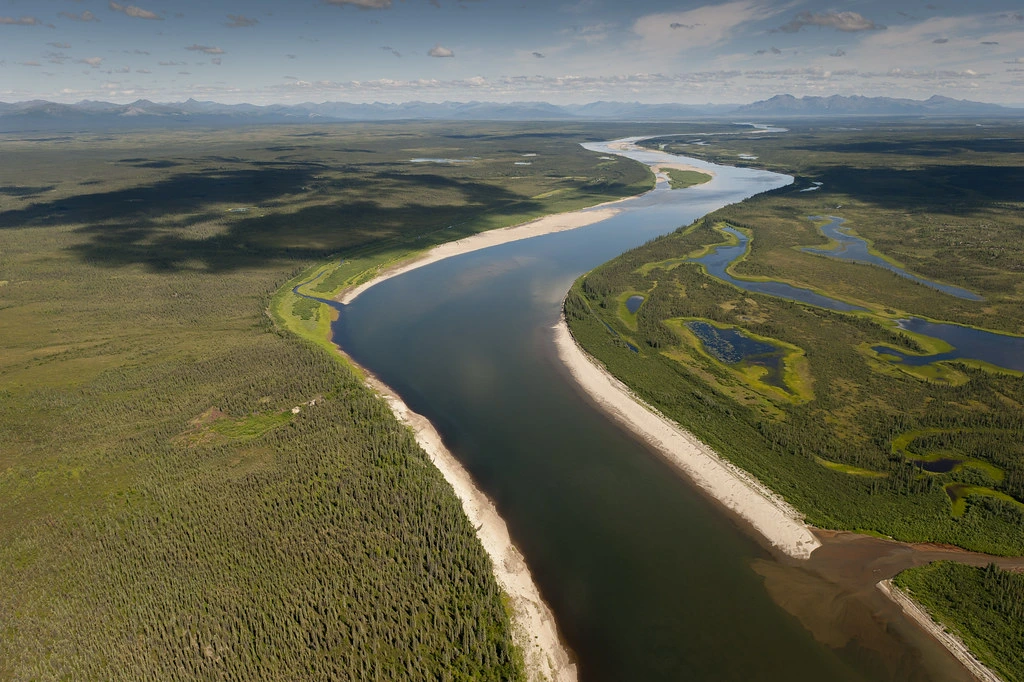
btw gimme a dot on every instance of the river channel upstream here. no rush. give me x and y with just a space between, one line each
647 577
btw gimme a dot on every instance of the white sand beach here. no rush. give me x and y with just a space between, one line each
559 222
781 525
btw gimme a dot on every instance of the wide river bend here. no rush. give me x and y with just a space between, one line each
648 579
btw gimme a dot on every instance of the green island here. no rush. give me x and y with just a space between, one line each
191 484
681 179
821 409
984 607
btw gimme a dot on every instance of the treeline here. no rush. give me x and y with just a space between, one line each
983 606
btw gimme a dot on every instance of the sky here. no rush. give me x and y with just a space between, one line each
559 51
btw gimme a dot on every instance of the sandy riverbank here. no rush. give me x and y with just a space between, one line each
954 644
559 222
534 629
740 492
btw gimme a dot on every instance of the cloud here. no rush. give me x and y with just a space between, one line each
388 48
590 33
239 21
941 41
133 11
143 71
849 22
20 21
172 63
770 50
84 16
361 4
538 55
705 26
439 51
990 42
60 46
216 61
840 52
205 49
291 56
32 63
91 61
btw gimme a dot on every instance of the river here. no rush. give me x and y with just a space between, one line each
648 579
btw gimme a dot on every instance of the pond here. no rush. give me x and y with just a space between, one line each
733 347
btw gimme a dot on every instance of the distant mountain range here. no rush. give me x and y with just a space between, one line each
43 115
937 105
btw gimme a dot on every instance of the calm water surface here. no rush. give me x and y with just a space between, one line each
647 578
853 248
718 259
1002 350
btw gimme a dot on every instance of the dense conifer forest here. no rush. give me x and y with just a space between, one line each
187 489
982 606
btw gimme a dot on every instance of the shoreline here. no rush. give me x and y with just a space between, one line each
771 516
534 629
557 222
950 641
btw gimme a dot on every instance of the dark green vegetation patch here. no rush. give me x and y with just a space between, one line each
931 453
982 606
165 510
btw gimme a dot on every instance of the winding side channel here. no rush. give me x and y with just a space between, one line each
648 579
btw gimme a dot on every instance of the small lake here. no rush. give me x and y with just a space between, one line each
633 304
719 258
938 466
733 347
853 248
1002 350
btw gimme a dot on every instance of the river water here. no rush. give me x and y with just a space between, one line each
647 578
853 248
